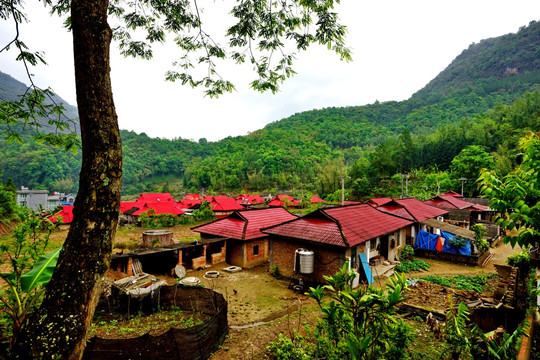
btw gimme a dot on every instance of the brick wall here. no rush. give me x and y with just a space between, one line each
251 258
328 259
241 253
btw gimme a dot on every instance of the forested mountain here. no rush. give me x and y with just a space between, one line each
467 104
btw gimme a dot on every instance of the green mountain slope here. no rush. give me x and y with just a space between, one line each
308 149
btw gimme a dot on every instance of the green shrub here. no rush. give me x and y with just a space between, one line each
522 261
412 265
406 253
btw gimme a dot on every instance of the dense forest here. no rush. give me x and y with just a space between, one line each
469 117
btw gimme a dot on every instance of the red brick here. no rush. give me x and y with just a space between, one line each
198 262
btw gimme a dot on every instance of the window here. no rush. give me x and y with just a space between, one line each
255 250
372 244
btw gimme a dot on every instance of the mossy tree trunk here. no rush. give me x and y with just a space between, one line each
58 328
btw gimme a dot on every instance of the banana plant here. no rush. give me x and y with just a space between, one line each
24 292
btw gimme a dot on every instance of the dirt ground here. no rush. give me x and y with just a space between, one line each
250 342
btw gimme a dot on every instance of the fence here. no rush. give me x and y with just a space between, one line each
194 343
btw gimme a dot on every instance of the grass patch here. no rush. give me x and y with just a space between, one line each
462 282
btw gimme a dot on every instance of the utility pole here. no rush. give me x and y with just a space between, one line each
343 188
463 181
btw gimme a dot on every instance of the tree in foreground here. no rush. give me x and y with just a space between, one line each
264 34
516 196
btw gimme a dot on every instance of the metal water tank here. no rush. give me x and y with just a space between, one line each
305 261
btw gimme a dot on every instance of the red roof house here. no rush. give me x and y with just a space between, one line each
159 208
247 246
192 197
283 201
336 235
414 210
66 215
246 199
155 197
315 200
128 205
223 206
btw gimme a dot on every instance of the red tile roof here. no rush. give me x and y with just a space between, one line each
315 199
160 208
224 203
153 197
247 199
379 201
452 193
412 209
357 224
363 222
66 214
247 224
280 200
192 197
314 229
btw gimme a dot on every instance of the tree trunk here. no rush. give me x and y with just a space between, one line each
58 328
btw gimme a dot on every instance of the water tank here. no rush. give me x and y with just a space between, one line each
304 261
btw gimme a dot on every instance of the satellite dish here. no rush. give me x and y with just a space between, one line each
180 271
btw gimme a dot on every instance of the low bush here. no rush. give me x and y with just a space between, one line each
461 282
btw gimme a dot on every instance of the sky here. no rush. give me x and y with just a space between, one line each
398 47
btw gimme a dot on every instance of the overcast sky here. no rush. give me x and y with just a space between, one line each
398 47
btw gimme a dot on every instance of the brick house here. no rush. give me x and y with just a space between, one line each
247 246
222 206
410 209
336 235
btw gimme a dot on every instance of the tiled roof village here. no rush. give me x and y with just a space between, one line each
250 230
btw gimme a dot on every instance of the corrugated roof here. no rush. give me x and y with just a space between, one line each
452 202
247 224
160 208
154 197
224 203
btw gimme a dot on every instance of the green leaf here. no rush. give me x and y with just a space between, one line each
41 273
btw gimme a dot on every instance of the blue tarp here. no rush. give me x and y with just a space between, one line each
425 240
365 267
464 250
